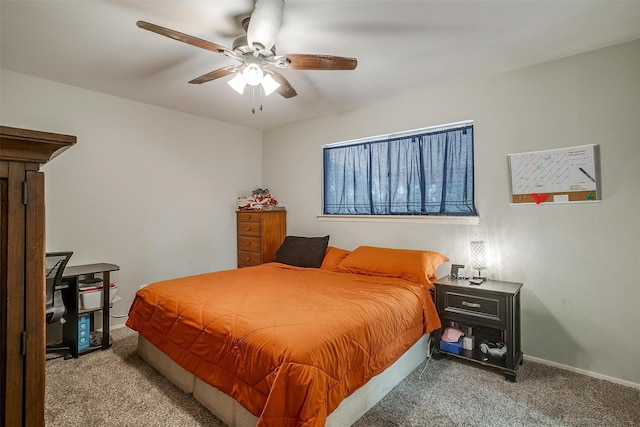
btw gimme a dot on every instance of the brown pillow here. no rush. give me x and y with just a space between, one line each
333 257
416 266
302 251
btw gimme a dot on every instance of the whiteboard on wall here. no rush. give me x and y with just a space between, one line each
561 175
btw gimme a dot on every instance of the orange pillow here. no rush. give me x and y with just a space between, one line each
333 257
414 265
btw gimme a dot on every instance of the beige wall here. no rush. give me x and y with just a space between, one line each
149 189
579 263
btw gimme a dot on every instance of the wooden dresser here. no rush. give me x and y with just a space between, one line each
260 234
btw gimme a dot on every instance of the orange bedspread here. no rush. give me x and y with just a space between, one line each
287 343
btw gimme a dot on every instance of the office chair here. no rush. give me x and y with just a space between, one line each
55 265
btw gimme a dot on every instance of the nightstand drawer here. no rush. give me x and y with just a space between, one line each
247 259
249 244
491 307
248 228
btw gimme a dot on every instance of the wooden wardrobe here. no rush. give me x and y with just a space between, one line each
22 277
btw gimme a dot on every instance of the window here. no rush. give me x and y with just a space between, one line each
425 172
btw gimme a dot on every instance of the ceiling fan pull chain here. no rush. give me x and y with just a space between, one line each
261 97
253 99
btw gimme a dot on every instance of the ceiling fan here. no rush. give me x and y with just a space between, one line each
256 53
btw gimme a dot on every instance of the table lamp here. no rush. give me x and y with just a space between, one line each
478 259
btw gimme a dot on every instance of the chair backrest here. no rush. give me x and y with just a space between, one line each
55 265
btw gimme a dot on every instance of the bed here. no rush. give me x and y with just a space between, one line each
284 345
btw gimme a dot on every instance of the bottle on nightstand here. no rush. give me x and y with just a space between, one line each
468 341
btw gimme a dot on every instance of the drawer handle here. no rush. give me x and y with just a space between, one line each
248 259
248 228
248 243
471 304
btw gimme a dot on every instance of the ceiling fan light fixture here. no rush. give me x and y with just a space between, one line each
269 84
237 83
252 74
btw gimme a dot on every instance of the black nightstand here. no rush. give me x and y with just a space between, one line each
491 310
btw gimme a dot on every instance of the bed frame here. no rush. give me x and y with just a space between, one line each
235 415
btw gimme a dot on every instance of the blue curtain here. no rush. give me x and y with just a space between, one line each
424 174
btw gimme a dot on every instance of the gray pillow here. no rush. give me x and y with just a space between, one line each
303 251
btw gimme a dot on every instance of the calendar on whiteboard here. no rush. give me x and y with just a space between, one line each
560 175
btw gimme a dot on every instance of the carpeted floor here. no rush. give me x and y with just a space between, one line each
117 388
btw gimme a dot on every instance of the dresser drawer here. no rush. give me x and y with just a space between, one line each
247 259
246 228
249 216
249 244
491 306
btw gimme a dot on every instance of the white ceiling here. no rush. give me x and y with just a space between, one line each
399 45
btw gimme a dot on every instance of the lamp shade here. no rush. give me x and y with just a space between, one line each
252 74
269 84
237 83
478 258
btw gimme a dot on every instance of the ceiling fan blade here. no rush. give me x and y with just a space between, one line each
285 90
186 38
315 62
215 74
264 24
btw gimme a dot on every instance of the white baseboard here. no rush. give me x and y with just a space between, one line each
583 372
114 327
